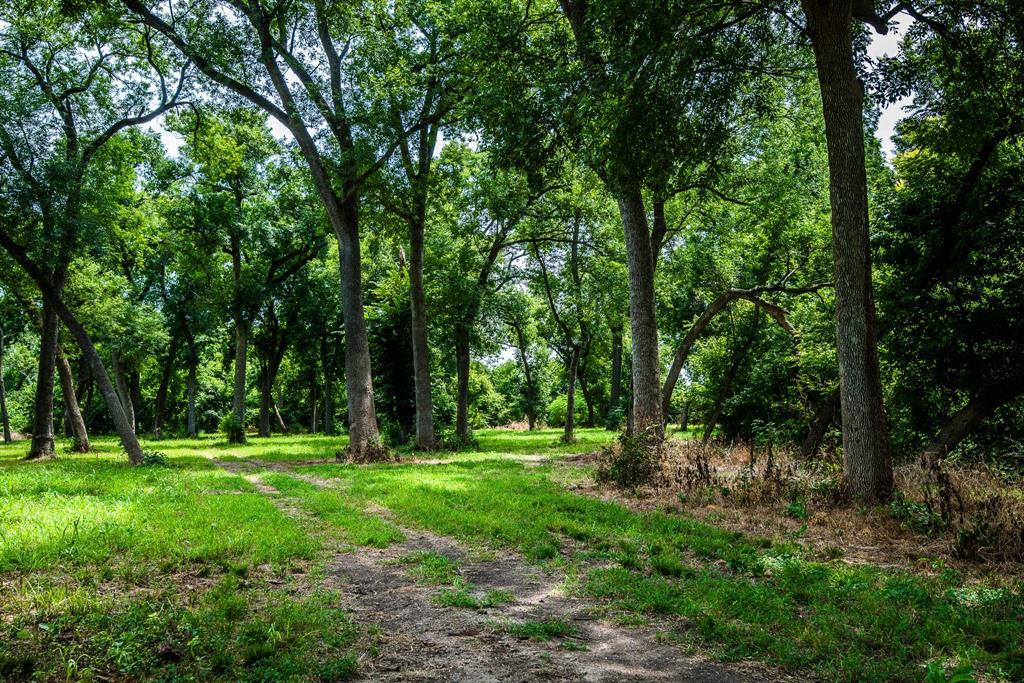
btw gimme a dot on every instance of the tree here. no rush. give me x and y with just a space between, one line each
52 128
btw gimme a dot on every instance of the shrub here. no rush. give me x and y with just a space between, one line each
558 407
633 462
232 428
155 458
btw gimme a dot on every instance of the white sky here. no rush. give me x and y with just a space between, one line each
885 46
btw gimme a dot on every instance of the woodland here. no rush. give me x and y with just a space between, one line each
487 340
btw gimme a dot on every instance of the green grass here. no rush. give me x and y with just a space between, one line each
743 597
100 563
541 630
229 632
357 527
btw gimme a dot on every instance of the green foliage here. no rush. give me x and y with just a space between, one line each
632 463
558 407
232 428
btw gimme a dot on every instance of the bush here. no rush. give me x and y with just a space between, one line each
558 407
232 428
631 463
155 458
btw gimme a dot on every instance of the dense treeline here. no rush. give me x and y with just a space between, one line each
404 221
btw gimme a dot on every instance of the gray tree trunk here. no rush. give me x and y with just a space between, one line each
72 411
643 323
238 390
866 457
616 383
42 422
190 390
569 433
160 404
425 439
123 390
462 381
966 420
822 419
4 417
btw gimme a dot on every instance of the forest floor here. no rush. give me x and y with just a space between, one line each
271 561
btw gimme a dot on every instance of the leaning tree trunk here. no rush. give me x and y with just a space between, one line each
462 381
4 417
866 457
569 433
123 390
72 411
966 420
643 324
237 432
822 419
42 422
51 295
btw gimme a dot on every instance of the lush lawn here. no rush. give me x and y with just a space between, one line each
188 572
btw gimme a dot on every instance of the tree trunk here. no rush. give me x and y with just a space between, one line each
616 388
190 390
136 389
123 390
568 434
314 405
160 404
643 325
266 398
730 376
237 434
866 457
280 420
51 295
462 381
4 417
42 422
72 412
364 437
822 419
588 398
425 439
328 420
684 417
966 420
523 347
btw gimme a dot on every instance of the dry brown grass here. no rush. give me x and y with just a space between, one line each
967 517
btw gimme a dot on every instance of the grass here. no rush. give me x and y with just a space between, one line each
743 597
541 630
104 567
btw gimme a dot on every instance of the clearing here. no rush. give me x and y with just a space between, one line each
271 561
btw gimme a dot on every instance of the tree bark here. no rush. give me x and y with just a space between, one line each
42 422
266 398
730 376
238 392
523 346
462 381
965 421
822 419
190 390
643 323
72 411
866 457
569 433
616 384
136 390
160 404
280 420
4 417
588 398
425 439
123 390
52 297
325 361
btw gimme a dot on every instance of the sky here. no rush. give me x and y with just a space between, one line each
880 46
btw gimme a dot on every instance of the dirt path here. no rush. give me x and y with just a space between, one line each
420 641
